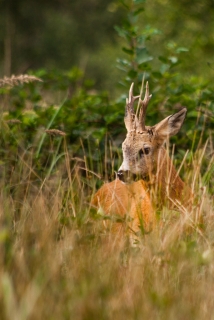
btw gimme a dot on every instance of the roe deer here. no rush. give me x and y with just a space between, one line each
145 160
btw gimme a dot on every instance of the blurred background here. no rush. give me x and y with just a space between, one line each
87 54
65 33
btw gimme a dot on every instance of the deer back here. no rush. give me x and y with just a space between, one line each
128 202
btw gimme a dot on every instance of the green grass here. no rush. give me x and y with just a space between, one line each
58 262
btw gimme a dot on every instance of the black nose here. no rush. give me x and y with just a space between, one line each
126 176
121 175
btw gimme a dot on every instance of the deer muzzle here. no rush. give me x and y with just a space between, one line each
126 176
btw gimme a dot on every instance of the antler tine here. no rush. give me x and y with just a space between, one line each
147 96
129 112
131 92
144 104
132 98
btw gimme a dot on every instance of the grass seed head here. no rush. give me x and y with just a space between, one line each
55 132
17 80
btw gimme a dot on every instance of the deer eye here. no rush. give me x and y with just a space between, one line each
144 151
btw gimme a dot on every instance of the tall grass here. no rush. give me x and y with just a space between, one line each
58 262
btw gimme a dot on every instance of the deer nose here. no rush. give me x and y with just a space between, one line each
121 175
126 176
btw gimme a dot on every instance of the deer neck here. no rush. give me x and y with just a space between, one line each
167 185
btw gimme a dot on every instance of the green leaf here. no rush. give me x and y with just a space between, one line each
138 11
173 59
121 32
132 74
142 55
157 75
150 31
123 62
163 59
164 68
128 51
181 49
141 40
193 114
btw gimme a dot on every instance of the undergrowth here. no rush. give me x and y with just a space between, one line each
59 262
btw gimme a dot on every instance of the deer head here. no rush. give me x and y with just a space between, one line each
143 143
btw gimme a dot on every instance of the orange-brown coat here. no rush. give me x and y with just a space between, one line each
131 202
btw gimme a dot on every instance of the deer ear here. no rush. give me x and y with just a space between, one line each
172 124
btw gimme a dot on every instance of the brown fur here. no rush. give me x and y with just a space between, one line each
128 201
167 187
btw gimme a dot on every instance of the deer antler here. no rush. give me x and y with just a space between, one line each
129 112
144 103
131 120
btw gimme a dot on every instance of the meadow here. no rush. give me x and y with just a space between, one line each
59 262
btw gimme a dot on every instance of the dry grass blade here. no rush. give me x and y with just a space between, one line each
55 132
13 121
17 80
